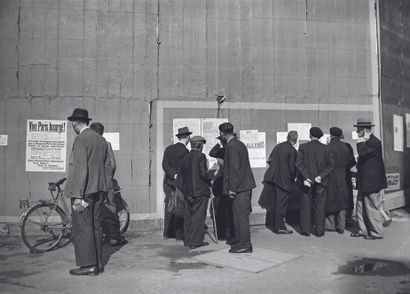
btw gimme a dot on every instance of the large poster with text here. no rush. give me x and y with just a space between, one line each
46 145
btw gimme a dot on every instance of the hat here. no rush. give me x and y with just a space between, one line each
316 132
363 122
183 131
198 139
335 131
79 114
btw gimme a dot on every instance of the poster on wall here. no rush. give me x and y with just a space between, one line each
114 139
302 129
398 133
46 145
256 143
210 131
281 137
408 130
3 140
393 181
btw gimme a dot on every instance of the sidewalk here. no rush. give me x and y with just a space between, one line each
148 264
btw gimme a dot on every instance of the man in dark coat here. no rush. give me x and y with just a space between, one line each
86 186
196 187
280 175
371 180
349 175
238 184
337 200
171 162
314 163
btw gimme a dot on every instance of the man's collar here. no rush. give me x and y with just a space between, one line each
86 127
230 139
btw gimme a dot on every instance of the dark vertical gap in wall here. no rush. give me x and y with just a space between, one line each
83 55
58 50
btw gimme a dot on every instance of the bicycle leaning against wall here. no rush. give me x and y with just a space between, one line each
46 225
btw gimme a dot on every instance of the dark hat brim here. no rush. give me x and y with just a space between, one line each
182 134
363 125
73 118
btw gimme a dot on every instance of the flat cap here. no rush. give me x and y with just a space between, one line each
335 131
198 139
316 132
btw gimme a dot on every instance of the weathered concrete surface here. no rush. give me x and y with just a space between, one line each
149 264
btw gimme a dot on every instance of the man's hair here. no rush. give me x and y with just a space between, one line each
182 136
97 127
196 145
226 128
292 136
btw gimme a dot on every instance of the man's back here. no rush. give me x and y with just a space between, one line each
171 161
194 174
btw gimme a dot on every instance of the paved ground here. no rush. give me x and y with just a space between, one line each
149 264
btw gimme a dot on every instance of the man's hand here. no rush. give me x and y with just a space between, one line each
318 179
175 176
231 194
79 205
307 183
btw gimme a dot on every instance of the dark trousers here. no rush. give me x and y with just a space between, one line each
111 221
224 218
194 220
335 220
241 208
87 232
313 200
280 207
173 225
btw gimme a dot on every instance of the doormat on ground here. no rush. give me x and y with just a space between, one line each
256 262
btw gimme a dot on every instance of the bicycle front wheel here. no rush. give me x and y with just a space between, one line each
42 227
124 216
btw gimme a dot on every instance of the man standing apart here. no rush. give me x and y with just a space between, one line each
86 186
238 184
314 164
196 189
171 162
281 174
371 180
338 194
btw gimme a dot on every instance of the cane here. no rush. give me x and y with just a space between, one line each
214 218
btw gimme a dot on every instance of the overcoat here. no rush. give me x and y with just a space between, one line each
195 179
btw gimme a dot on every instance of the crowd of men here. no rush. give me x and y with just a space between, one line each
323 173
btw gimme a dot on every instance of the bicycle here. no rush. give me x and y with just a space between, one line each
45 224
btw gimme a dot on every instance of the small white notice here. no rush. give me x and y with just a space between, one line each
114 139
302 129
398 133
3 140
256 143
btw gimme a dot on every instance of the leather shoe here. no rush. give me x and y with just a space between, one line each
340 231
387 223
373 237
307 234
118 242
242 250
320 235
283 231
355 235
197 246
85 271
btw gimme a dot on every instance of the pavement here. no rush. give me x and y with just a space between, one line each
149 264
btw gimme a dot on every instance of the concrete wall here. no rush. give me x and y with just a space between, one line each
123 60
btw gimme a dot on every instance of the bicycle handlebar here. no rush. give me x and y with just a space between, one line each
52 185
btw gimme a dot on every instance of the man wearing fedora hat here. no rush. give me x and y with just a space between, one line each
196 183
371 180
171 163
86 185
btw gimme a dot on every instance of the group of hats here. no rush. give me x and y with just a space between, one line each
337 132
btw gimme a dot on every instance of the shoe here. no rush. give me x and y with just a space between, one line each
307 234
283 231
320 235
357 234
197 246
242 250
387 223
373 237
340 231
84 271
118 242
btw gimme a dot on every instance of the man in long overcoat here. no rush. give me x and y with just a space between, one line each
171 162
281 175
314 163
371 180
238 184
86 186
338 196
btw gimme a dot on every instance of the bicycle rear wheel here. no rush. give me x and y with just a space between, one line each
124 216
43 226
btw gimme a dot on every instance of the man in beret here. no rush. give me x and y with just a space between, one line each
238 184
314 163
338 196
171 162
86 186
371 180
196 187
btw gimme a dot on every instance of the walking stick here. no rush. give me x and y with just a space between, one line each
214 218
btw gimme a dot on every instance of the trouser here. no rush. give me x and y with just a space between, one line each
194 220
224 219
87 232
335 220
173 225
280 207
369 217
111 221
313 199
241 208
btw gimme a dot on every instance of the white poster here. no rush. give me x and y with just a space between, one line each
398 133
281 137
193 124
407 130
114 139
210 130
302 129
46 145
3 140
256 143
393 181
355 136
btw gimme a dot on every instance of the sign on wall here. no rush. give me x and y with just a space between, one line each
256 143
46 145
114 139
3 140
398 133
393 181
